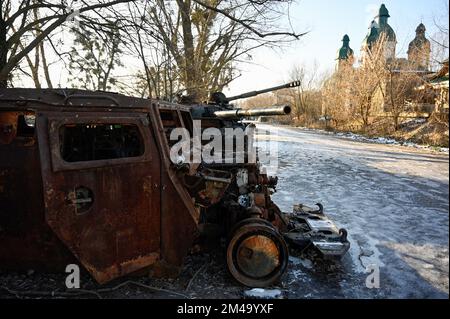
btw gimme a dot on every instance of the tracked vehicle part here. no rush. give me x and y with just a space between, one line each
257 254
311 229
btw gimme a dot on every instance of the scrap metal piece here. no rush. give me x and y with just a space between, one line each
311 229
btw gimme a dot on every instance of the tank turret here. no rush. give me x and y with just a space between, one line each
220 107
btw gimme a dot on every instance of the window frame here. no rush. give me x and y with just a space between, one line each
59 164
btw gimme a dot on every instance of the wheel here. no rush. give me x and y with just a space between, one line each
253 220
257 255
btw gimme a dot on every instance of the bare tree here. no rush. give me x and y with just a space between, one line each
306 98
368 82
440 39
40 61
399 87
206 38
354 94
338 97
92 59
18 21
187 44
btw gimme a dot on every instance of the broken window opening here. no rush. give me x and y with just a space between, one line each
187 120
93 142
170 120
25 125
17 127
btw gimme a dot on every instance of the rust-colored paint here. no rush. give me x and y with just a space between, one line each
133 222
123 222
8 127
26 240
258 256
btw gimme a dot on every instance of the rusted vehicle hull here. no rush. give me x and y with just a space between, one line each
88 178
131 222
27 242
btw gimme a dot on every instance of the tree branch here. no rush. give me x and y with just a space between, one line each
248 26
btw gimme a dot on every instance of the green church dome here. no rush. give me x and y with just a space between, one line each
421 29
345 51
372 36
384 26
420 40
384 12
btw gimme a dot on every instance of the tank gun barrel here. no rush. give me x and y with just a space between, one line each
255 93
240 113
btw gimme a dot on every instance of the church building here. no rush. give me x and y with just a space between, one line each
419 49
418 55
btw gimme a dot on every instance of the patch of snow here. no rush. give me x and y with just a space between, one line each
300 261
298 274
263 293
388 141
429 261
414 121
379 140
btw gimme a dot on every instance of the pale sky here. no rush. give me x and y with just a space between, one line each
328 21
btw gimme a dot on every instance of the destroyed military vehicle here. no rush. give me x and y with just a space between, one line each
88 178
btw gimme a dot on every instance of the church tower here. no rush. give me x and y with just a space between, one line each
388 32
345 56
419 49
370 39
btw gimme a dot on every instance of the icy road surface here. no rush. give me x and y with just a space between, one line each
393 200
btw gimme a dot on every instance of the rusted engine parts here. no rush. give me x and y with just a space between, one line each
235 203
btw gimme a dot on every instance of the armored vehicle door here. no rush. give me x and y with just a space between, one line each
101 177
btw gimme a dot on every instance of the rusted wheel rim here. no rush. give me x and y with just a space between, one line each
257 255
248 221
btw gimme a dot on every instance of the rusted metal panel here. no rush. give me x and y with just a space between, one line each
120 232
179 216
138 212
27 242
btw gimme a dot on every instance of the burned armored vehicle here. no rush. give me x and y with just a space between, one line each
92 178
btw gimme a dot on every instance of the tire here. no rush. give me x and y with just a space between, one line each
257 255
252 220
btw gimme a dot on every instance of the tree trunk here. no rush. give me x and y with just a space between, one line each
3 51
45 67
189 57
395 117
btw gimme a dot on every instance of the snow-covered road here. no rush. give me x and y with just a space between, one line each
393 200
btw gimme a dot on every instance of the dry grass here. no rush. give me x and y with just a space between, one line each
433 132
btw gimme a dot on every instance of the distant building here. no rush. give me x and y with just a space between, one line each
376 30
369 41
417 62
437 85
345 57
419 49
